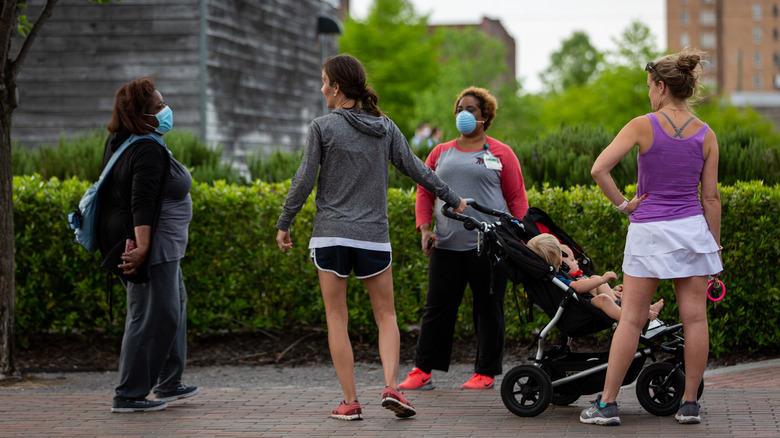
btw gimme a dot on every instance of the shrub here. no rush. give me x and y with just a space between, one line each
237 278
81 156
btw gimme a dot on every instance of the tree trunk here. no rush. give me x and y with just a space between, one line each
7 106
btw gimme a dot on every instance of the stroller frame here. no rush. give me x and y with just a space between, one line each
557 375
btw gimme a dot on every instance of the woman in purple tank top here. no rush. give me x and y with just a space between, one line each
673 233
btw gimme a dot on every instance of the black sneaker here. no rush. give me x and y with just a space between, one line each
175 394
142 405
595 414
688 413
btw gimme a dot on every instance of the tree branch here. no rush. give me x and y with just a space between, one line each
28 42
8 18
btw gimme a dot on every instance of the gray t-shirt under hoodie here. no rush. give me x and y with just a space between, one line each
351 150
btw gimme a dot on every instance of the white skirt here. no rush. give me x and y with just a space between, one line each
678 248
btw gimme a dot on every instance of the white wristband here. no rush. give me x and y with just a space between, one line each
623 207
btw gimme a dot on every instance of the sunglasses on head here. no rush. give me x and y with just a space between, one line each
649 68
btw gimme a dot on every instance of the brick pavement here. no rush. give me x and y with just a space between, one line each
740 401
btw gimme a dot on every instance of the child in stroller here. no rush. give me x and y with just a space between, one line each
593 288
558 375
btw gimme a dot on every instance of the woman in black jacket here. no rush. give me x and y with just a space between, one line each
145 211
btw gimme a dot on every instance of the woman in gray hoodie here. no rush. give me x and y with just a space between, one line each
349 149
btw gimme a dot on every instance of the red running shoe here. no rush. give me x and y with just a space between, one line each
417 379
394 400
348 412
479 381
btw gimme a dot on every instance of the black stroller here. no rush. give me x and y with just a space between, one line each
558 375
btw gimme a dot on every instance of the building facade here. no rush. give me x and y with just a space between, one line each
243 74
742 39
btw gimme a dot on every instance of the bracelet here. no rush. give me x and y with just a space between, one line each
623 207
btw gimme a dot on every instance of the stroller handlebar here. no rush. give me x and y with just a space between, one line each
470 222
446 210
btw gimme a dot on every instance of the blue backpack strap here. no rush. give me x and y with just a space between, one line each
130 140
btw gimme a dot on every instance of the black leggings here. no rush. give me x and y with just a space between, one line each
448 274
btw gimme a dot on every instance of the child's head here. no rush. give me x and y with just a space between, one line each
569 259
548 248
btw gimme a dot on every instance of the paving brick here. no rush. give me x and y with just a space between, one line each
737 402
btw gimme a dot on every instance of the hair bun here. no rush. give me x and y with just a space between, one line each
688 60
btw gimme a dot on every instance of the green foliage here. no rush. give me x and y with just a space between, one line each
635 47
398 76
573 64
277 166
564 158
81 156
236 277
464 55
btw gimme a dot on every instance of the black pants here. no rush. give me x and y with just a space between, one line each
154 346
448 274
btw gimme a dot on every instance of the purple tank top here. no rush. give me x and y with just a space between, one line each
670 173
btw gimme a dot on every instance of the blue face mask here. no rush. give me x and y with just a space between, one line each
466 122
164 120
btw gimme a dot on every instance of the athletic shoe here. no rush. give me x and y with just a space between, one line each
395 401
175 394
348 412
417 379
688 413
479 381
142 405
595 414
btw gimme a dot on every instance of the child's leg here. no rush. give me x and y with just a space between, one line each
655 309
607 305
604 289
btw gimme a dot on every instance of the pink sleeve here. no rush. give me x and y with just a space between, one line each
512 185
423 206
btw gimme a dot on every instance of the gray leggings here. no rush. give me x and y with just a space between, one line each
154 346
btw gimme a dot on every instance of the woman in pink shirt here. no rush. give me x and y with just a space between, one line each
479 167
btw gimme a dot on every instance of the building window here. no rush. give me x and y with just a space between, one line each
757 35
707 40
774 34
685 40
707 17
709 63
756 12
757 81
774 11
708 1
757 59
776 59
684 18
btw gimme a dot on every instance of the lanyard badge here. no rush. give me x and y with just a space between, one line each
491 161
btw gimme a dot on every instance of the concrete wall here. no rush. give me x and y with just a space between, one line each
241 73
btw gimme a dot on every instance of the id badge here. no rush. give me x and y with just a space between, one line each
492 162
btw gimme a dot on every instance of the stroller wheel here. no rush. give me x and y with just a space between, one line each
564 399
526 391
660 388
682 367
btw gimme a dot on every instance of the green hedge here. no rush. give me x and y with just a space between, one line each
236 277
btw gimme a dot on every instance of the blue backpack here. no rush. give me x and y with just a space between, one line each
84 220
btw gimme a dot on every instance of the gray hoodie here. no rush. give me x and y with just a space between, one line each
351 151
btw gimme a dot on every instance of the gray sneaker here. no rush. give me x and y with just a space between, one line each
142 405
595 414
688 413
175 394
